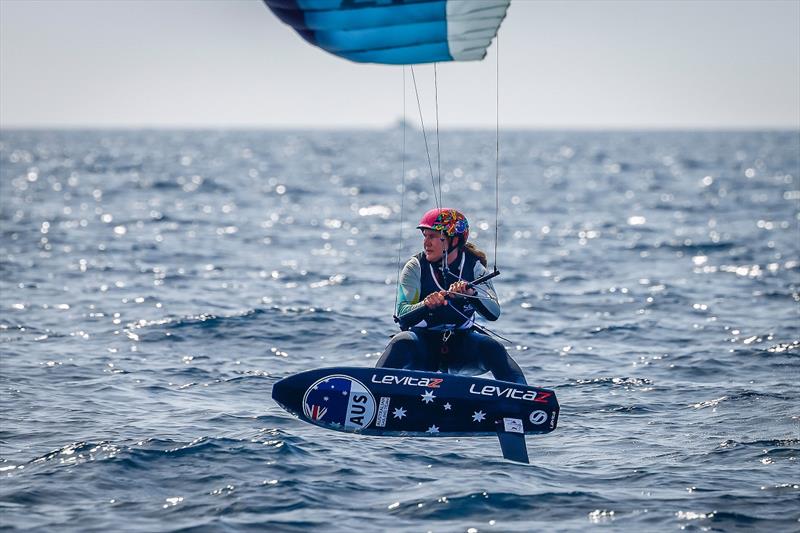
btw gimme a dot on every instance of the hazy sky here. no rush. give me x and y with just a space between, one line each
563 64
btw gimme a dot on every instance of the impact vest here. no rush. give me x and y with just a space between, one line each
459 313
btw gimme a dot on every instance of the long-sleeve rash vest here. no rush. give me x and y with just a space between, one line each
419 278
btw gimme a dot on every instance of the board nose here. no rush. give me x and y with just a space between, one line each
280 390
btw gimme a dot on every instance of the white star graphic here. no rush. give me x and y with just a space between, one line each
447 406
478 416
325 398
433 429
428 397
399 413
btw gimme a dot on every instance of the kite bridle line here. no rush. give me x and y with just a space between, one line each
437 190
402 193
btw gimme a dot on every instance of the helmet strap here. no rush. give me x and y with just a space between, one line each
452 247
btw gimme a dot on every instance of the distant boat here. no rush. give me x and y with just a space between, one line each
401 123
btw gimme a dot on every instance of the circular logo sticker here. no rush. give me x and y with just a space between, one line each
339 401
538 418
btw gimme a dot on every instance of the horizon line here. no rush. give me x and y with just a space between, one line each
398 125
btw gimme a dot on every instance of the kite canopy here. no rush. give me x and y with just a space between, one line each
397 32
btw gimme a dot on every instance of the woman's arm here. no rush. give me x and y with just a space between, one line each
408 290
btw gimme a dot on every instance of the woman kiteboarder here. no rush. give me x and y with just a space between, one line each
437 303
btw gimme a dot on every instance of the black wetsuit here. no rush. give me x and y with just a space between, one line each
446 340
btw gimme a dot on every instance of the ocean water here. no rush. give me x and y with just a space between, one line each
156 284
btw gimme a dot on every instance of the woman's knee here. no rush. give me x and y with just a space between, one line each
499 362
492 351
401 351
405 340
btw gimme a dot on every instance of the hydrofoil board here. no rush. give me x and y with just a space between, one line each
393 402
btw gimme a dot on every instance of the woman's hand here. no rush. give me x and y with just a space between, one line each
461 287
435 299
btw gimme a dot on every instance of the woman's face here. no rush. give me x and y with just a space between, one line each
434 243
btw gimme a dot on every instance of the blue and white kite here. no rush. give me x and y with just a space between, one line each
397 32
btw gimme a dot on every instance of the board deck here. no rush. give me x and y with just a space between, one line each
393 402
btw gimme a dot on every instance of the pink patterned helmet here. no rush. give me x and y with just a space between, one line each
449 221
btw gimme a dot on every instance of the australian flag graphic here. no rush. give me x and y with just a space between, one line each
340 401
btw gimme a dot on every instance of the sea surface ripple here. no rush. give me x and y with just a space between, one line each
155 284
